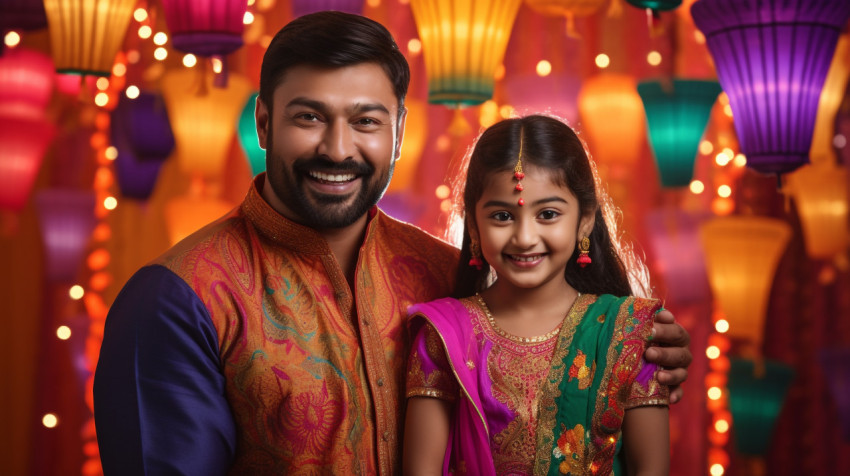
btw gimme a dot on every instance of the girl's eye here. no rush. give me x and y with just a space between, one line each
501 216
549 214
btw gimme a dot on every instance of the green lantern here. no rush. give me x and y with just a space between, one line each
677 112
756 394
656 5
247 131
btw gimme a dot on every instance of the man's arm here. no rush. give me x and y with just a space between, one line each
159 400
671 352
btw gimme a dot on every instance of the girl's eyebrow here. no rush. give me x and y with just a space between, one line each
501 204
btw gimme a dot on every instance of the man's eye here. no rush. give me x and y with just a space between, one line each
367 121
307 116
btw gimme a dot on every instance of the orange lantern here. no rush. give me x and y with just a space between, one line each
203 118
463 41
187 214
415 134
830 101
820 191
85 34
566 8
612 118
741 254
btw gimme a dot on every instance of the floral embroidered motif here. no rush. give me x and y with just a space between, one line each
571 446
579 370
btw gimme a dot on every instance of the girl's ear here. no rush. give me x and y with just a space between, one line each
469 223
585 226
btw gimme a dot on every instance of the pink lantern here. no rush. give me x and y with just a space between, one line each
26 82
205 28
67 220
674 237
24 141
304 7
555 94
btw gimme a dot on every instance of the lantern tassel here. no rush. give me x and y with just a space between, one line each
220 77
615 9
201 79
459 126
571 27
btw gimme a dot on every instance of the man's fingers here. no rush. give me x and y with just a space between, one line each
671 334
665 317
669 357
676 394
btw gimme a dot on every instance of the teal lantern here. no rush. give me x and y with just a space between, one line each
247 132
756 394
677 112
656 5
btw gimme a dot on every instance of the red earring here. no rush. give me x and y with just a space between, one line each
584 250
476 261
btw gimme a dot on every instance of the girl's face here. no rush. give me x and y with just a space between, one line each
529 245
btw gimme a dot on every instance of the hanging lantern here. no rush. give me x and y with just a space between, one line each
66 219
247 129
741 254
205 28
756 395
679 257
85 35
136 178
24 142
555 94
772 58
656 5
835 364
676 116
415 135
26 82
569 9
830 101
820 192
463 41
304 7
143 125
187 214
22 15
203 122
612 118
402 206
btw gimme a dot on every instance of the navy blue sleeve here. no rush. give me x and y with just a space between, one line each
159 401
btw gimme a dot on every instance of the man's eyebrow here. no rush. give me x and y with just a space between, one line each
322 107
501 204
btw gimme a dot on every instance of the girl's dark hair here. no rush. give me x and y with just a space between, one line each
550 144
331 39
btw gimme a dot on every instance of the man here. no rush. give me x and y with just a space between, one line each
272 340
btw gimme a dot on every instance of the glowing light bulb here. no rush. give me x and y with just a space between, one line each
160 39
721 326
716 470
12 39
602 61
132 91
442 192
76 292
544 68
706 147
101 99
189 60
714 393
653 58
63 332
140 14
145 32
712 352
110 203
724 191
697 187
160 53
49 420
414 46
248 18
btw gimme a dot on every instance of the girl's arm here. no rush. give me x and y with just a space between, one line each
426 434
646 441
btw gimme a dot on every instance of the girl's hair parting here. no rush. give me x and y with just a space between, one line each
548 143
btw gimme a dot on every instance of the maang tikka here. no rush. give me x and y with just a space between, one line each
518 173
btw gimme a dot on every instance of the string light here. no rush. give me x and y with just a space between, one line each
189 60
119 69
544 68
248 18
724 191
49 420
721 326
653 58
160 39
101 99
443 192
414 46
697 187
715 393
63 332
132 91
76 292
602 61
717 470
706 147
145 32
12 39
160 53
140 15
110 203
712 352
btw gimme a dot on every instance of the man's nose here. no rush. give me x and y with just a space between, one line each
337 142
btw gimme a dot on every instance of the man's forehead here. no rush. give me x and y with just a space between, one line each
356 85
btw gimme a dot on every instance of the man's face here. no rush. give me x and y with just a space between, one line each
331 142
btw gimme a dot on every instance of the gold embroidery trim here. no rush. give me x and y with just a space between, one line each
520 340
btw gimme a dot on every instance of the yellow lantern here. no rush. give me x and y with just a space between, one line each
820 191
187 214
566 8
415 133
463 41
830 100
203 118
85 34
612 118
741 254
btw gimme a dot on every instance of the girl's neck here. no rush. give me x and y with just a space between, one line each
528 312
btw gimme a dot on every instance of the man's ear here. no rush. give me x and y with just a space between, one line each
261 117
402 120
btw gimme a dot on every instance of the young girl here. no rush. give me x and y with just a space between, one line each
538 369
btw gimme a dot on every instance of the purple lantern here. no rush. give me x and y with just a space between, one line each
22 15
67 220
772 57
205 28
136 177
836 368
143 124
303 7
675 241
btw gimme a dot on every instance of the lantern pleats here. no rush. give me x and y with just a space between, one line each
66 219
756 394
741 254
304 7
25 141
143 125
772 59
136 177
463 42
85 34
674 237
415 135
22 15
26 82
187 214
835 364
204 27
612 118
203 119
676 114
820 193
247 130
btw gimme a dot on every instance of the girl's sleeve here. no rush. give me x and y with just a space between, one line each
646 390
428 371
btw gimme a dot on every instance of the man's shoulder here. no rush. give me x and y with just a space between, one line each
414 237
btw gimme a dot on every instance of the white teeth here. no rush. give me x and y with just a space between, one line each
332 178
525 259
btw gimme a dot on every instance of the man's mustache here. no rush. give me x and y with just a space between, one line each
325 165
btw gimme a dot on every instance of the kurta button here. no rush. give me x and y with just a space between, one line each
365 322
386 436
380 382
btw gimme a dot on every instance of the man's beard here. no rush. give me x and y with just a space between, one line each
325 211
